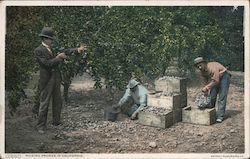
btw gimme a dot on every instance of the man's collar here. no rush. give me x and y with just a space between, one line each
47 47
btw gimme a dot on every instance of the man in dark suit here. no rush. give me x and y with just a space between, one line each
50 79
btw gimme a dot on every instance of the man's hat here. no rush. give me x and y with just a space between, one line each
132 83
198 60
47 32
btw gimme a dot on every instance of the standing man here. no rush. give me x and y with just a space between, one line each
216 80
138 94
50 80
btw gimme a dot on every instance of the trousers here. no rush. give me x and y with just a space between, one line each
222 90
129 107
51 90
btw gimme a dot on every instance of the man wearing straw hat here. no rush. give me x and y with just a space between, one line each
50 79
216 80
138 94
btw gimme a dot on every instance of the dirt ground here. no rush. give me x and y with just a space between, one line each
84 129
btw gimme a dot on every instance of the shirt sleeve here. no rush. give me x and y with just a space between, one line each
215 78
42 60
125 97
143 102
71 51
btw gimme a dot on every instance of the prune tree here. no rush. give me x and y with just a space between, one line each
22 28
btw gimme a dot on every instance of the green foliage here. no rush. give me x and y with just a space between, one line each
21 34
232 49
125 41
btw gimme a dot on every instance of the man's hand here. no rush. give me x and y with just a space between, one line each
61 55
134 115
82 48
205 90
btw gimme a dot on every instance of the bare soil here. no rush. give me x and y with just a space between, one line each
84 129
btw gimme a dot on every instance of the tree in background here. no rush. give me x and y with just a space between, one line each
230 20
125 41
22 27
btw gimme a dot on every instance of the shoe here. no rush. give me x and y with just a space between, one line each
57 124
218 120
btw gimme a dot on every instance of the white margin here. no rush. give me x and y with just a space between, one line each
247 80
2 79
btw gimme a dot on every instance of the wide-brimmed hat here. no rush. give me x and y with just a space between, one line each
132 83
47 32
198 60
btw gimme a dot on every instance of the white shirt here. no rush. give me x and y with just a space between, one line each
47 46
139 96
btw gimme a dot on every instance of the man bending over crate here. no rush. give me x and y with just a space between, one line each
216 80
138 94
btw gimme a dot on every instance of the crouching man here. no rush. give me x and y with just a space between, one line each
138 94
216 80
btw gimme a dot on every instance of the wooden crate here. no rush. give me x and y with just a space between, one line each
177 85
177 116
155 120
183 100
168 102
197 116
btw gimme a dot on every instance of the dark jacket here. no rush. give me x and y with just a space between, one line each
48 64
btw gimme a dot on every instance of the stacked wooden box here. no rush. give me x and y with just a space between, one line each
157 117
164 106
173 84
